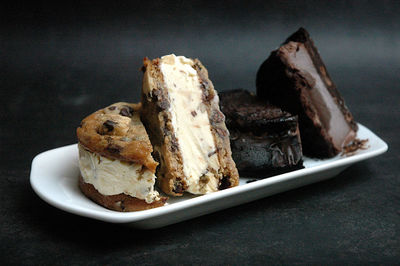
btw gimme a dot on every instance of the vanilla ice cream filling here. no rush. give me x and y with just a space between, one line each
112 177
191 124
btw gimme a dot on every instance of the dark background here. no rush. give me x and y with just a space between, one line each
58 63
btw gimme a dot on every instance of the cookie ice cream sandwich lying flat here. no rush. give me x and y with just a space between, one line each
117 170
187 129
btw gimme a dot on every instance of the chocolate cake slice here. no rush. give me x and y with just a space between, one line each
265 140
186 128
295 79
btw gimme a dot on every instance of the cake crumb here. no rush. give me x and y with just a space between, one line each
353 147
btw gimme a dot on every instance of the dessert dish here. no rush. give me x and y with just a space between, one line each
186 128
115 162
265 140
295 79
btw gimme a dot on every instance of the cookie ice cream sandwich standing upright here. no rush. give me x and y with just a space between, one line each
186 127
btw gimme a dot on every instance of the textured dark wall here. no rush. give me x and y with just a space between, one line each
60 62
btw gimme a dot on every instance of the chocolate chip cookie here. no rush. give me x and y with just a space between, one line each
116 166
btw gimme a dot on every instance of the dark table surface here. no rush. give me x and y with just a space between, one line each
61 62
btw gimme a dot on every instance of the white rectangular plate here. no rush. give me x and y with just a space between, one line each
54 177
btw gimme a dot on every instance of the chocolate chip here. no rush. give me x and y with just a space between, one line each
160 99
217 117
122 205
221 132
193 113
113 148
204 179
112 108
174 144
163 104
157 156
212 153
109 126
126 111
205 88
166 132
178 187
224 183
